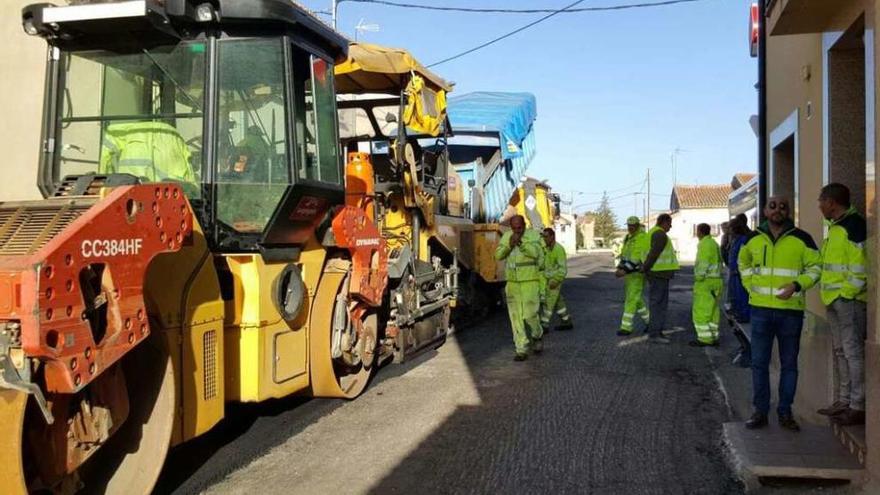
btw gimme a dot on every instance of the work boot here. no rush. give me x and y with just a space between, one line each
520 356
564 326
834 409
623 333
660 339
758 420
850 417
538 346
787 421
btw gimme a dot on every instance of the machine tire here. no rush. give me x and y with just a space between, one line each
329 378
132 458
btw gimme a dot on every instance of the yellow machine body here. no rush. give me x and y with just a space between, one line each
183 295
266 355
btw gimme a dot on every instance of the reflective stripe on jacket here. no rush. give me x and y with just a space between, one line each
708 264
766 266
844 268
667 261
555 264
524 262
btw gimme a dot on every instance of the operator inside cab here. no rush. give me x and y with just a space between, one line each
150 151
249 161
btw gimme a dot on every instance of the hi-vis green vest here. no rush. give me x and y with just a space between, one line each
844 270
708 264
635 247
667 261
154 151
524 262
767 266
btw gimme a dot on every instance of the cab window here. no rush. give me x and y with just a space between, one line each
134 113
316 125
252 150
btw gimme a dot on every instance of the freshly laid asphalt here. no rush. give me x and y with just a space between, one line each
595 413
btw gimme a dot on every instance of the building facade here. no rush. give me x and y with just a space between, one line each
586 225
566 232
743 197
22 67
821 127
691 206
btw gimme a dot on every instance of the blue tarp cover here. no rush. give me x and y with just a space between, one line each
509 114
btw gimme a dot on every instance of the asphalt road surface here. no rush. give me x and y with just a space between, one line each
596 413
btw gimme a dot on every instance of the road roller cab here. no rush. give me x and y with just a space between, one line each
194 246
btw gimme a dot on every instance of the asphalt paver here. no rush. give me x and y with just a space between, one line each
595 413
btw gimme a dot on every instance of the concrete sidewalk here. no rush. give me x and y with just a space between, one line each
813 459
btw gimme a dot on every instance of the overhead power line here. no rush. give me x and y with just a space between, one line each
566 9
508 35
612 191
479 10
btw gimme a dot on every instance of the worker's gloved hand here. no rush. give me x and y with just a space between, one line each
553 284
619 273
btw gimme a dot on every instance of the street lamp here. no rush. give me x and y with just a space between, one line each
571 195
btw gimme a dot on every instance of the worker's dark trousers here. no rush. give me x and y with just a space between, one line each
658 301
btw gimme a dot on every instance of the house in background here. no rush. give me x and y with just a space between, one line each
744 197
586 224
691 206
566 232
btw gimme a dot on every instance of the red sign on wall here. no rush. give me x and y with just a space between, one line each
754 28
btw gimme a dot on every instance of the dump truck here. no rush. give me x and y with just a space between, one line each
199 242
490 148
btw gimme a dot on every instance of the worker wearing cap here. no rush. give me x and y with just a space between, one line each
523 252
554 273
632 255
706 311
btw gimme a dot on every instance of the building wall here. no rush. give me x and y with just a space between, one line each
797 84
588 230
22 62
682 233
794 88
566 232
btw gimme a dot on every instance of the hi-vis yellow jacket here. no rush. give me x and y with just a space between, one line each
555 264
524 262
766 265
154 151
635 247
844 270
708 264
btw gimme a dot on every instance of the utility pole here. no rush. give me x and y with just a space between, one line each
333 6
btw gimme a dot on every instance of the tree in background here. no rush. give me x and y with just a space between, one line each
606 221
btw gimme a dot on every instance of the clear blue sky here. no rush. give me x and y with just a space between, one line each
617 91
